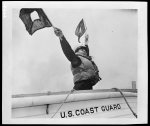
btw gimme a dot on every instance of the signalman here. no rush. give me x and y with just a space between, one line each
84 70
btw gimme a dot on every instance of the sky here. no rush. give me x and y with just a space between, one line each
39 64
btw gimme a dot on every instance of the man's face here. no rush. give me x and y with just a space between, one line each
82 51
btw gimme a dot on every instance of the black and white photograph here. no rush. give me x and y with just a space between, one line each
74 62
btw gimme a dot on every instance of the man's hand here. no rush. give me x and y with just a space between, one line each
58 32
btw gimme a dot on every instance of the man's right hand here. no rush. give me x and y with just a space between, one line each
58 32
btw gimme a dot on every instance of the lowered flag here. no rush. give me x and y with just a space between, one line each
32 26
80 30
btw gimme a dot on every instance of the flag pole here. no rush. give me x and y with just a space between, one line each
53 26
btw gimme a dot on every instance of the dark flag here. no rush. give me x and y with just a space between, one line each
32 26
80 30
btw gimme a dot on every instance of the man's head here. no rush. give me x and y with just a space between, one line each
82 50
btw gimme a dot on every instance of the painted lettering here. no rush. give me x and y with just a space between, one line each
62 114
103 108
69 113
77 112
82 111
96 108
106 108
91 110
118 106
110 107
86 111
115 106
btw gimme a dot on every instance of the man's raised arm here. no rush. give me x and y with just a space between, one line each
69 53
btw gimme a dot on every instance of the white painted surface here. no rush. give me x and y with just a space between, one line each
52 99
84 105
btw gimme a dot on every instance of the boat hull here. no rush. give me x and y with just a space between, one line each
77 105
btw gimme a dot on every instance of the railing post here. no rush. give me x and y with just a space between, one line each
133 84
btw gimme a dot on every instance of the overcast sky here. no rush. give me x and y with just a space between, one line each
39 64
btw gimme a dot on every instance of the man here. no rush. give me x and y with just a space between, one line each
84 70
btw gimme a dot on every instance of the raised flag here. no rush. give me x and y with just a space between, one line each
80 30
32 26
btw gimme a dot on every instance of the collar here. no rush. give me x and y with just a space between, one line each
88 57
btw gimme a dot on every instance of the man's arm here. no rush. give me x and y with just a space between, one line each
69 53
